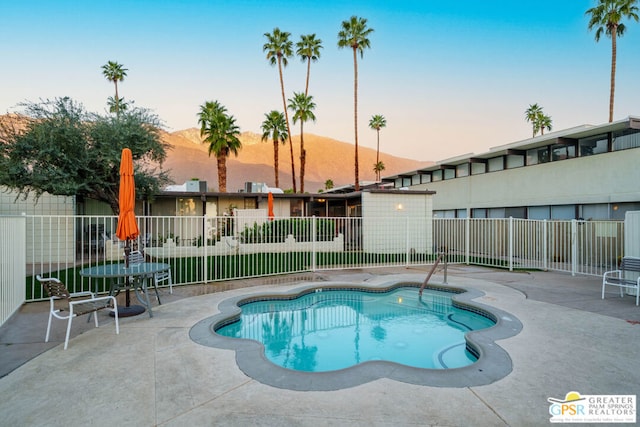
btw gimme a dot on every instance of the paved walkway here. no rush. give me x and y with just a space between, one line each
153 374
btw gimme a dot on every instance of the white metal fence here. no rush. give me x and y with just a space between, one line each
12 265
209 249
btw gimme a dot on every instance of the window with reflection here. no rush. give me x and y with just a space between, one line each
563 152
593 145
537 155
628 138
462 170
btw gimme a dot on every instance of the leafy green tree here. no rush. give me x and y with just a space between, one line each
308 49
302 106
354 34
274 127
115 73
59 148
378 122
220 131
279 49
607 18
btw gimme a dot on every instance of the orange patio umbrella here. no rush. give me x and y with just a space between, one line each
270 203
127 224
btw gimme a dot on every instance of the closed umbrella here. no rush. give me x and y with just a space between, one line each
270 204
127 225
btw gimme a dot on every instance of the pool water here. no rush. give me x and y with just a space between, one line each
328 330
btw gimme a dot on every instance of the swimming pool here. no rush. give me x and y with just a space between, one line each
492 363
331 329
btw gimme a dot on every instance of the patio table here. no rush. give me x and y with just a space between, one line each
143 271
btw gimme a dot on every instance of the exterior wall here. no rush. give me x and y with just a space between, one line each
603 178
388 217
42 245
46 204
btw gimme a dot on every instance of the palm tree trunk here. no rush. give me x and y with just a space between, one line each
306 87
302 156
275 161
286 117
222 173
378 155
115 82
355 116
614 36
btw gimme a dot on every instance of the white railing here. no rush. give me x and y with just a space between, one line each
12 265
208 249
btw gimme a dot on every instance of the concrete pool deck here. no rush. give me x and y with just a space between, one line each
154 374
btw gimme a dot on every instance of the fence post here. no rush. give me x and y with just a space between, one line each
510 243
574 246
467 239
407 255
545 245
314 247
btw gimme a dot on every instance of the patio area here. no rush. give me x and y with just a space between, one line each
153 374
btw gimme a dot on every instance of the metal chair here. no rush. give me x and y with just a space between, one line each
58 292
136 258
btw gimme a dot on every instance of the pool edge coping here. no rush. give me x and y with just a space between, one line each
493 364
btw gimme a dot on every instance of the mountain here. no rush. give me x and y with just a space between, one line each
326 159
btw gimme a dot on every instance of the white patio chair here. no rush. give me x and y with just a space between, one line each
58 292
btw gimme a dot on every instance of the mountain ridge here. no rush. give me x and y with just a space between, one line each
327 158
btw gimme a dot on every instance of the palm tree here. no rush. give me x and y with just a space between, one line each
117 106
377 168
308 50
328 184
544 121
354 34
279 49
220 131
115 73
302 107
377 122
274 127
531 115
606 18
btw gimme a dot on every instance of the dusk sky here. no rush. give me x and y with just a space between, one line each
450 77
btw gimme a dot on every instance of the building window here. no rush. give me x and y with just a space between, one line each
425 178
537 155
415 179
628 138
563 212
436 175
397 183
515 161
479 213
462 170
593 145
519 212
495 213
406 181
496 164
539 212
563 152
478 168
595 211
445 214
449 173
461 213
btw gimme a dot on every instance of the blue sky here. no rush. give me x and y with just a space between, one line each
450 77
